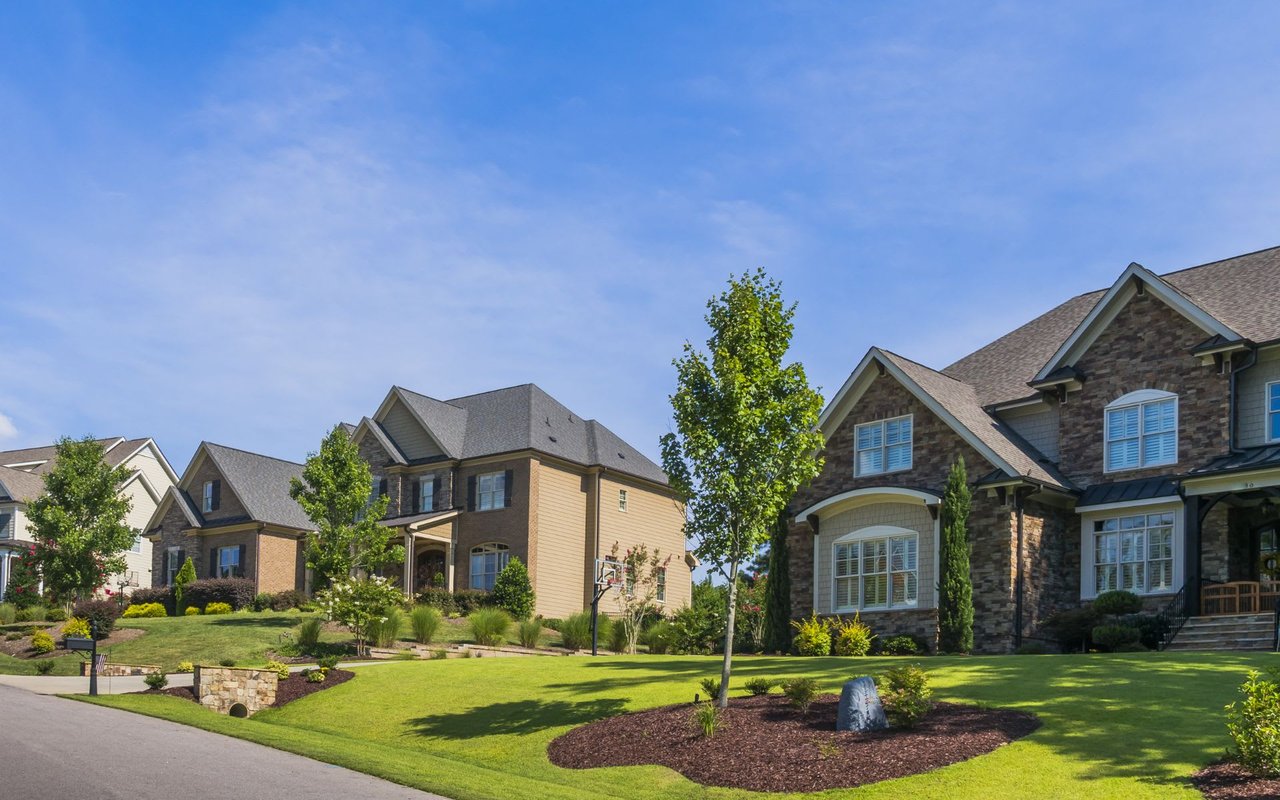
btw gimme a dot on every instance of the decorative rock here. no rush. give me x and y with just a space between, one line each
860 709
222 689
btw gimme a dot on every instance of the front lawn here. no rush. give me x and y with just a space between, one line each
1118 726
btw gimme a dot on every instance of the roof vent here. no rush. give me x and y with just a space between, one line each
552 438
620 455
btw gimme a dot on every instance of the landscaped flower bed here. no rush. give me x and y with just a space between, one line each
766 745
295 687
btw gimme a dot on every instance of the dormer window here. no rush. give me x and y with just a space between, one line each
1273 412
883 446
1141 430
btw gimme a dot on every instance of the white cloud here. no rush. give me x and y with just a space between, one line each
7 429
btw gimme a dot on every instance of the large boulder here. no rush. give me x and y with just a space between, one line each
860 707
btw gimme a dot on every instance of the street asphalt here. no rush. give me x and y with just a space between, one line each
58 749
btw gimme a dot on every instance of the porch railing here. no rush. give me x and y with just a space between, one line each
1239 597
1174 614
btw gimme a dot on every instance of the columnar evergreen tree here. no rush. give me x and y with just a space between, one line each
186 574
512 590
777 621
746 433
955 589
79 522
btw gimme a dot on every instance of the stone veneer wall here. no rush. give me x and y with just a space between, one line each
220 688
120 670
1051 562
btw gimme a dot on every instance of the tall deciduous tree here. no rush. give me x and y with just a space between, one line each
337 493
745 434
955 589
777 605
79 522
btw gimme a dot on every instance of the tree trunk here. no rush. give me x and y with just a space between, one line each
730 617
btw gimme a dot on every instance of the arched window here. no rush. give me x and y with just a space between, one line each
1141 430
875 567
487 560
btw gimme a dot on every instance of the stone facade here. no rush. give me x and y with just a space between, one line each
121 670
222 689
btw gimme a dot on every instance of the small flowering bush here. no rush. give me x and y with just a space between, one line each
76 627
23 589
357 603
42 642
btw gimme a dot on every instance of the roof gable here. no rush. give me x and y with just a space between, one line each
261 484
20 486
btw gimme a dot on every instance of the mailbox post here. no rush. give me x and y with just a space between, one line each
90 646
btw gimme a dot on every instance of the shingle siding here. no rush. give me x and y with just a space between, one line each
1041 429
1251 405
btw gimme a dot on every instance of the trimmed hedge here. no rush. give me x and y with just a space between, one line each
154 594
145 610
235 592
461 602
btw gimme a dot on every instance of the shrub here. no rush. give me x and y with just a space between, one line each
287 600
900 646
327 662
1117 602
309 634
192 611
314 676
425 621
512 591
707 719
161 595
385 631
1072 628
450 603
1032 648
227 662
8 613
12 635
186 666
852 637
42 642
45 665
1152 628
616 635
711 686
32 614
145 610
262 601
280 668
489 626
759 686
235 592
1254 724
218 608
699 627
1115 636
56 614
813 637
659 637
906 694
76 627
101 615
575 631
439 654
530 632
801 692
156 680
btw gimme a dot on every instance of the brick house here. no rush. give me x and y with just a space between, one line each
1129 438
471 482
22 481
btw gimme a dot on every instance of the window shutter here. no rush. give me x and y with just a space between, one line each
471 493
436 483
217 495
417 496
382 487
508 486
167 555
180 558
213 562
240 573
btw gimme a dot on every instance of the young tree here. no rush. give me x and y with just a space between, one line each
777 621
955 588
337 493
512 590
23 589
359 602
638 595
186 574
79 522
745 435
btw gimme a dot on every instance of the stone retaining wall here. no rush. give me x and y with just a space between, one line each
120 670
238 692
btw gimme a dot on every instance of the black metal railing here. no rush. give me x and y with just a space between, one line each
1175 616
1275 628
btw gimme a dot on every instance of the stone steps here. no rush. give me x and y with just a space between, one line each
1243 632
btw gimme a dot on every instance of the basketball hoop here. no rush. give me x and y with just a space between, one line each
608 574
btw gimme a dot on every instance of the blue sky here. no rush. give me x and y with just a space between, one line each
244 222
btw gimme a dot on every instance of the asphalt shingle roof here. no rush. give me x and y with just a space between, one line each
20 486
262 484
48 454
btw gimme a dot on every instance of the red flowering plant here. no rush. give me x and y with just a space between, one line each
23 589
643 572
752 590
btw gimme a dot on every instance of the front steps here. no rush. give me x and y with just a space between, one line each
1240 632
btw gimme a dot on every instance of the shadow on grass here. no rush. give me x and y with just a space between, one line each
251 622
516 717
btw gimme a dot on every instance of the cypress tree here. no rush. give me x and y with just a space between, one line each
777 605
955 590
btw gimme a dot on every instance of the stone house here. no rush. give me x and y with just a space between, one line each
22 481
1127 439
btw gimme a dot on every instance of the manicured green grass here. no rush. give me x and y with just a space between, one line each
63 665
1121 726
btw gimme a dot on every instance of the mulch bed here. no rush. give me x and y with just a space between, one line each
292 688
21 648
765 745
1226 780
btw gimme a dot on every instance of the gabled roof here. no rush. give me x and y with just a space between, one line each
446 423
39 459
20 486
376 430
261 482
957 405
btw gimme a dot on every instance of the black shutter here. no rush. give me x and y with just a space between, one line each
240 573
471 493
382 487
436 485
165 562
417 496
217 495
180 557
508 487
213 562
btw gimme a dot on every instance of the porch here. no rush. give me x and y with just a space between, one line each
430 542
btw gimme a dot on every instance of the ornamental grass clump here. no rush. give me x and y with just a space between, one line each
1254 724
852 636
425 622
813 636
489 626
707 718
308 635
575 631
385 630
906 695
530 632
8 613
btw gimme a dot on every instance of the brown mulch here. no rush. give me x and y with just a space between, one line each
1226 780
765 745
292 688
21 648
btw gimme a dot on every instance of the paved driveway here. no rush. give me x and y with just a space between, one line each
56 749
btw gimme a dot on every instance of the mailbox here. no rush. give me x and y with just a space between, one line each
79 643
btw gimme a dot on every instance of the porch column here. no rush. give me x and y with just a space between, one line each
451 555
1191 555
408 565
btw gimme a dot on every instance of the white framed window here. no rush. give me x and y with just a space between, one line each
137 544
426 493
491 490
662 584
487 560
1273 411
229 565
171 565
877 567
1134 553
882 446
207 504
1141 430
622 499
